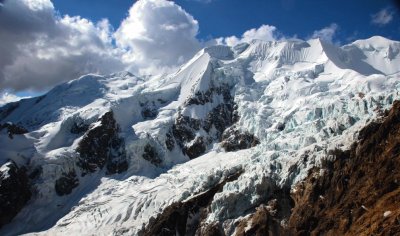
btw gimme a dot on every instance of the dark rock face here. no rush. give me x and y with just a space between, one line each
220 117
233 140
13 129
280 126
35 173
150 154
170 142
79 127
101 146
184 131
14 191
201 98
355 190
194 135
149 110
197 148
186 218
66 183
266 218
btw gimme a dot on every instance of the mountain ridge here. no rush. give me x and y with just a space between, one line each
254 108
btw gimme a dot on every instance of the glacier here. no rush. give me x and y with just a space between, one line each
298 99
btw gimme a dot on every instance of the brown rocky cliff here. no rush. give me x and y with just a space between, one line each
358 193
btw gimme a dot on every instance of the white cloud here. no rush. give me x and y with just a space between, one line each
40 49
264 32
7 97
383 17
327 33
157 35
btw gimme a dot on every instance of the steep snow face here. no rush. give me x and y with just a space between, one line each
381 53
294 101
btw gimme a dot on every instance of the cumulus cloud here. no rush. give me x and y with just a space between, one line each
327 33
40 48
158 33
264 32
7 97
383 17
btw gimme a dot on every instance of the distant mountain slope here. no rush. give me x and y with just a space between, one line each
107 154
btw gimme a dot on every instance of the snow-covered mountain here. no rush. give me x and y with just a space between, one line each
110 154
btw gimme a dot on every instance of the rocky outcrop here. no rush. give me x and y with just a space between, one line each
79 127
13 129
102 146
187 218
184 131
359 192
66 183
15 191
150 154
233 140
194 135
149 110
269 218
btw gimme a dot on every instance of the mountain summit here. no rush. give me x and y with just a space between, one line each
198 151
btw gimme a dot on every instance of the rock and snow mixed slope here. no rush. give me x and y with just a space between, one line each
109 154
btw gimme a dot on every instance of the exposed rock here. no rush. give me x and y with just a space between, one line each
185 128
66 183
36 172
280 126
350 195
268 218
196 148
184 218
13 129
201 98
213 229
79 127
14 191
150 154
101 146
184 131
194 135
149 110
170 142
220 117
233 140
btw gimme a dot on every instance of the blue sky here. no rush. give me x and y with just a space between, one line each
221 18
48 42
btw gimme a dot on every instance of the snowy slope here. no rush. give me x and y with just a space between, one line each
295 100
